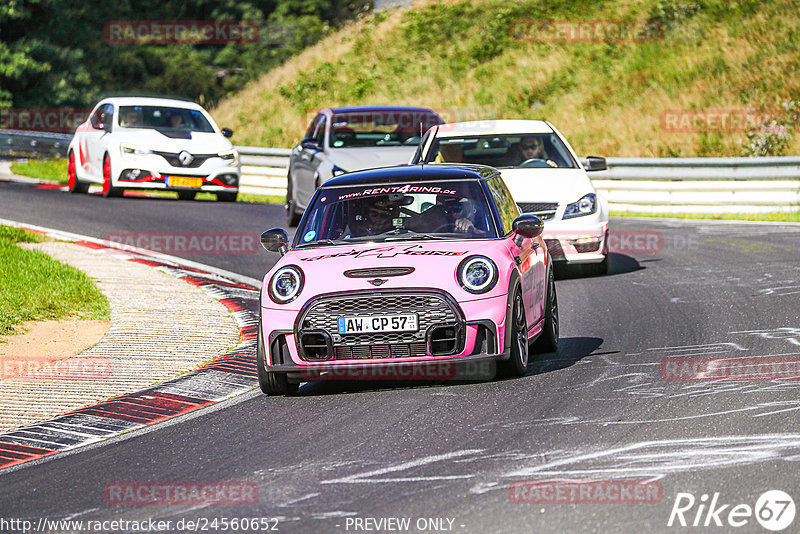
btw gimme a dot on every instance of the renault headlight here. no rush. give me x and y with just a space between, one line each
477 274
286 284
130 150
231 156
585 206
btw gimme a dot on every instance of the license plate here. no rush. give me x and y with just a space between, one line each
378 323
184 181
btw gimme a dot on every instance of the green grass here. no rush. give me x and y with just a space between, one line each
772 217
608 97
34 286
54 170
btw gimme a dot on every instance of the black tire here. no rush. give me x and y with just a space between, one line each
548 339
271 383
517 363
109 191
227 197
186 195
292 218
73 183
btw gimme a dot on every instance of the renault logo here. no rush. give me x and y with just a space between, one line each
185 158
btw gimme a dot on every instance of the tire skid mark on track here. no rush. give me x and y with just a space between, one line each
229 375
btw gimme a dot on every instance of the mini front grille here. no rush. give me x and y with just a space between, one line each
554 248
432 308
364 352
544 210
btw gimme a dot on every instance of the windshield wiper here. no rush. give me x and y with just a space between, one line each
414 236
321 242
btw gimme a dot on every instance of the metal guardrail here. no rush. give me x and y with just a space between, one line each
263 170
702 185
672 185
23 143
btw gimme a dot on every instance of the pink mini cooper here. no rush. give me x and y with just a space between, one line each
400 269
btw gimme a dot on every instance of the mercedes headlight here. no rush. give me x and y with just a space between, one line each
286 284
337 171
231 156
585 206
477 274
130 150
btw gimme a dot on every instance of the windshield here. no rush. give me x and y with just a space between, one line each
444 210
164 118
519 150
380 128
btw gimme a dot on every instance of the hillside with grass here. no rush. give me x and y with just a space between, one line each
615 97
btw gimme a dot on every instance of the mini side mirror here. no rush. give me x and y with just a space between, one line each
528 225
227 132
275 240
595 163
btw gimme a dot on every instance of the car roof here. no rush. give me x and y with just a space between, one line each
149 101
362 109
493 127
414 173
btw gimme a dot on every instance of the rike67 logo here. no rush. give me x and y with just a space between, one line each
774 510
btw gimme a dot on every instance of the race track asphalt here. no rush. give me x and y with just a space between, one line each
599 410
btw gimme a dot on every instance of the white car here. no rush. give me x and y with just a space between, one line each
544 175
353 138
153 143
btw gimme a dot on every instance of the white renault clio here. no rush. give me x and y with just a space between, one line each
544 175
153 143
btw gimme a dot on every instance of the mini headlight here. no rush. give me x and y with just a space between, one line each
286 284
129 150
477 274
585 206
231 156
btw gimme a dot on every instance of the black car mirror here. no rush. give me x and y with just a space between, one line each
528 225
275 240
595 163
309 143
227 132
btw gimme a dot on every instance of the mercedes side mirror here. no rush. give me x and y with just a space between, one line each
275 240
528 225
227 132
309 143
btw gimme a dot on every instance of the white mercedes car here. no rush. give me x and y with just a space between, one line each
353 138
544 175
153 143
